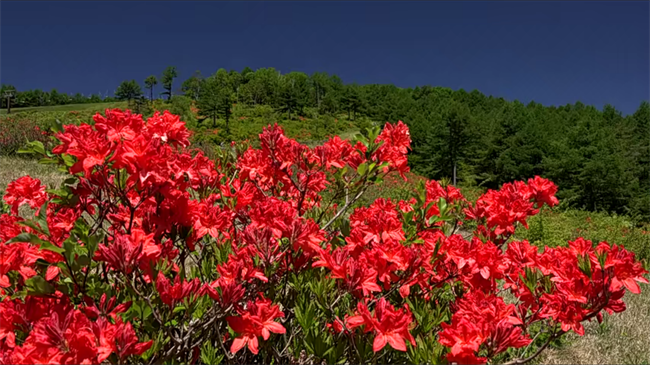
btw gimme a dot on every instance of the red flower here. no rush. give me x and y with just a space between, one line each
358 278
257 320
172 294
389 325
61 338
396 143
478 318
126 342
543 191
25 190
90 147
106 308
463 336
119 126
128 251
168 128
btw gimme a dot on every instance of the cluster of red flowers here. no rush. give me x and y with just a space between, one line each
389 325
257 320
513 203
25 190
150 222
60 334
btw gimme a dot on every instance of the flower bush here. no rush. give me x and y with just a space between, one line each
15 132
152 253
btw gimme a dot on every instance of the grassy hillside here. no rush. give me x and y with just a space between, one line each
67 107
28 124
245 123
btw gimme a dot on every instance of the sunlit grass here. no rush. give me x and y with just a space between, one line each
67 107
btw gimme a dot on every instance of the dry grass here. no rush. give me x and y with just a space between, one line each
12 168
622 338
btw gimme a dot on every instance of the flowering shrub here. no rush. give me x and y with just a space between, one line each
15 132
151 252
554 227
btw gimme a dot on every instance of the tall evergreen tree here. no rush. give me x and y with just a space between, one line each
192 86
224 96
149 83
208 102
128 90
167 80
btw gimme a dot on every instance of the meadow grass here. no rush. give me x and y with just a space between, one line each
12 168
621 339
68 107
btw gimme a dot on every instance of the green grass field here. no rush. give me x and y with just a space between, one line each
67 108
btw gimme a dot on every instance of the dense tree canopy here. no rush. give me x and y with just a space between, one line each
128 90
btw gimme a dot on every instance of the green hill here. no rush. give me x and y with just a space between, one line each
67 107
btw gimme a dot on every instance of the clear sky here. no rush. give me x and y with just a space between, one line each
552 52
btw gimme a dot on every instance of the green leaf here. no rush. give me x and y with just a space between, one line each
57 126
38 147
83 260
361 138
24 150
31 224
362 169
38 285
584 264
92 244
69 249
433 220
602 258
345 228
57 192
33 147
47 161
68 160
33 239
42 219
442 205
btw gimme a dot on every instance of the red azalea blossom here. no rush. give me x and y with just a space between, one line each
257 320
171 294
389 325
25 190
88 278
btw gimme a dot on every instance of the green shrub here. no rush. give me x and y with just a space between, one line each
182 106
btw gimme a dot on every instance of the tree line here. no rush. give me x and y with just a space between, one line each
38 97
599 158
127 90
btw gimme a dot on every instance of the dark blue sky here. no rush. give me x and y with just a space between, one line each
553 52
